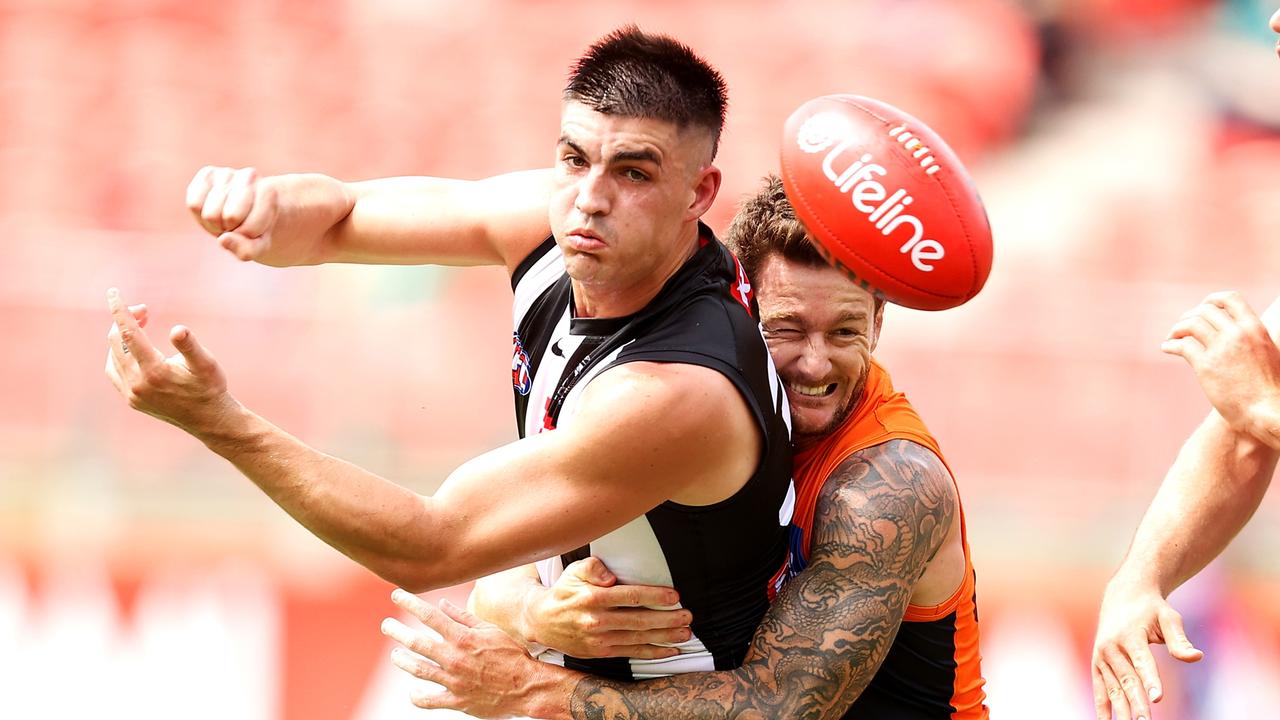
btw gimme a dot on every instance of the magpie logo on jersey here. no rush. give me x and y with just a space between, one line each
521 378
742 290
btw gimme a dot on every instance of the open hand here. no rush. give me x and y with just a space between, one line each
188 389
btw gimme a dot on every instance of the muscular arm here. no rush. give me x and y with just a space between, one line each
307 219
1213 488
534 498
880 518
687 429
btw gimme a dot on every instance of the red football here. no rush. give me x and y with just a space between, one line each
886 201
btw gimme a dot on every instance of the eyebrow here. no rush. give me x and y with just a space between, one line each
646 155
789 316
848 316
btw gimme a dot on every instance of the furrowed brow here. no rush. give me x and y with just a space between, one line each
646 155
566 140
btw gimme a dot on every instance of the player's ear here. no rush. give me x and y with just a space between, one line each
877 319
705 188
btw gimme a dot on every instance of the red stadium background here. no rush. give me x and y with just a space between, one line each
1126 150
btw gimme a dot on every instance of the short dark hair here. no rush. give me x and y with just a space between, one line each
637 74
766 225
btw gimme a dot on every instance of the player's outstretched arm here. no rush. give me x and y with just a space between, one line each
684 426
1210 492
307 219
879 520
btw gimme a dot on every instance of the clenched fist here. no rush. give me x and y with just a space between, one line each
236 207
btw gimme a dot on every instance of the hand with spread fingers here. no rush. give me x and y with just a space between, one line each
188 390
1235 359
586 614
1125 677
482 670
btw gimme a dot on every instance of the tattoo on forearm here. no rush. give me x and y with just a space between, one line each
879 520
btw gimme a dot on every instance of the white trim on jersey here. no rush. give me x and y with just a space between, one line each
539 277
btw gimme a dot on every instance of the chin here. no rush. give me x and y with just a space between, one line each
810 424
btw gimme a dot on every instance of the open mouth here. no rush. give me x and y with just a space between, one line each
814 391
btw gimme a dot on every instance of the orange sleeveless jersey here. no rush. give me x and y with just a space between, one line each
933 669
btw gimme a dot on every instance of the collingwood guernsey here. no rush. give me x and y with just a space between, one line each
725 559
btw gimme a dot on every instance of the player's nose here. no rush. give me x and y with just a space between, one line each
593 194
814 361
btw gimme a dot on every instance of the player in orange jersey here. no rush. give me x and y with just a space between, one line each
1211 491
879 622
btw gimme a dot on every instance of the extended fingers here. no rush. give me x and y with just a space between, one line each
1115 698
199 359
641 652
429 698
132 341
1147 683
667 636
651 620
636 596
1101 696
425 612
415 640
459 615
416 665
1121 662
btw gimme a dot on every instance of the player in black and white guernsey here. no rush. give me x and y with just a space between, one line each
701 316
669 456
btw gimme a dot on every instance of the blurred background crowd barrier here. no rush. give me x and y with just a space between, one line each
1127 151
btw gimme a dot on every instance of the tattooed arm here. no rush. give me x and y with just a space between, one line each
880 518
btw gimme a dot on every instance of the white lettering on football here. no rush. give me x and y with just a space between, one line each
858 180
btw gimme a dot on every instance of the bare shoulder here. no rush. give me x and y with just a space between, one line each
898 488
684 423
698 393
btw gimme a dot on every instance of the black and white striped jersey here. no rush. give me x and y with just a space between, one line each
724 559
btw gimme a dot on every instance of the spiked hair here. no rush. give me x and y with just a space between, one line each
636 74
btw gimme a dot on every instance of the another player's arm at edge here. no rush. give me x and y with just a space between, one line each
880 518
1212 489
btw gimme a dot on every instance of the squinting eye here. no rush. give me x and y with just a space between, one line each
636 175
